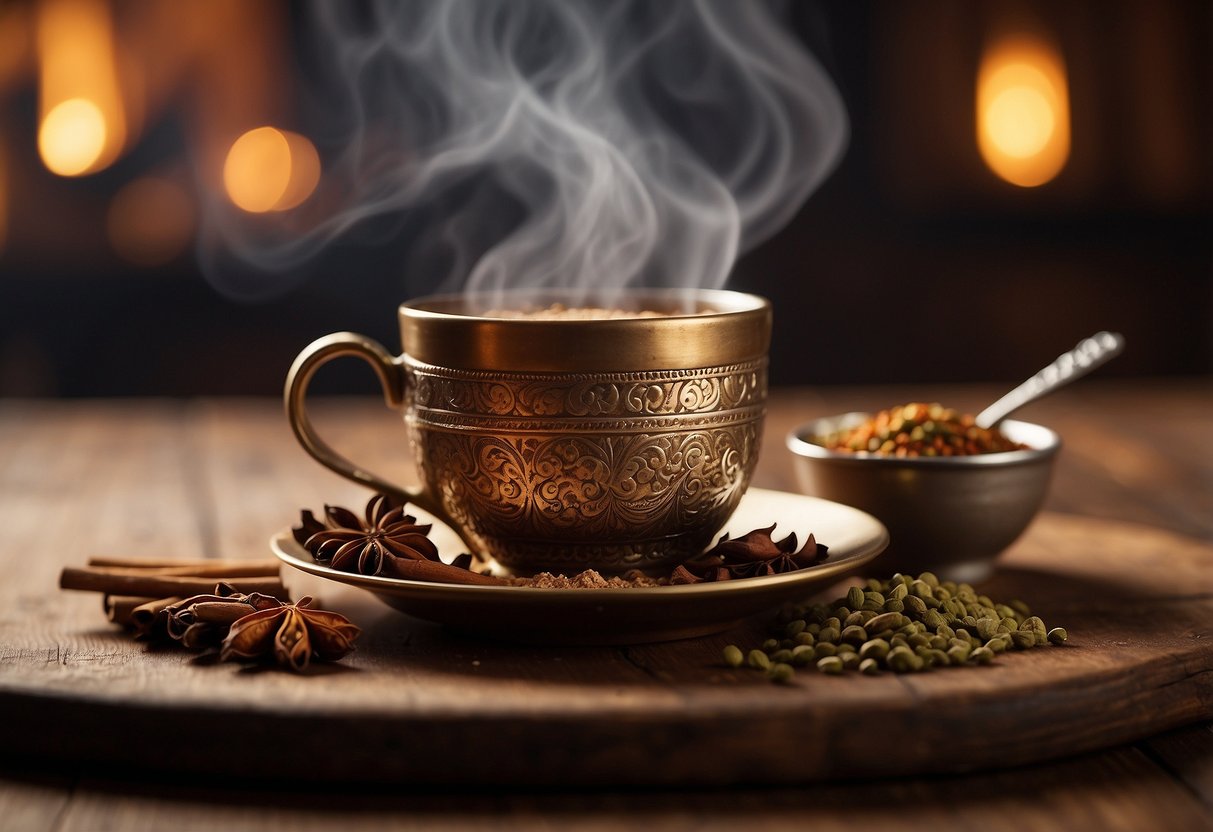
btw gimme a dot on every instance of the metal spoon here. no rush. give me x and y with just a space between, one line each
1089 354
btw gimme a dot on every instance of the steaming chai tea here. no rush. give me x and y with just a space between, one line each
560 312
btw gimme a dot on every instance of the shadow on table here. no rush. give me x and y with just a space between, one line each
430 648
1120 789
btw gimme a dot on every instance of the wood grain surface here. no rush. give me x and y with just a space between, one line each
210 478
1137 601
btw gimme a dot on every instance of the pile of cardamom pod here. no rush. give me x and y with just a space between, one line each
903 624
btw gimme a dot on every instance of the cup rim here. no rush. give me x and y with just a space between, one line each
1043 442
719 303
720 329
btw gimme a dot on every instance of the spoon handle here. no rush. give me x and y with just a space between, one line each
1089 354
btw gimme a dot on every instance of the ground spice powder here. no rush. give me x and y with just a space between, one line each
589 579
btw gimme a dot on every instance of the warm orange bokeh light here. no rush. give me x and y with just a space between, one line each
150 221
1023 112
270 170
15 43
72 137
83 127
305 172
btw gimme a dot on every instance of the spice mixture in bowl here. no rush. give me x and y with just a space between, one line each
952 495
920 429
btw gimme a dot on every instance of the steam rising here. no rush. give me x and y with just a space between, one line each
559 143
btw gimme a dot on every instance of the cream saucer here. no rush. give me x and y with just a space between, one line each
627 616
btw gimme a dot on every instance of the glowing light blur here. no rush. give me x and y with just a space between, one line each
1023 112
15 43
150 221
270 170
305 172
83 127
72 137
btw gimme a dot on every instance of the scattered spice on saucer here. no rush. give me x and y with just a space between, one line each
368 546
386 541
903 624
589 579
752 555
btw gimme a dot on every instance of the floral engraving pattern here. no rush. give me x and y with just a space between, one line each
607 395
562 472
591 491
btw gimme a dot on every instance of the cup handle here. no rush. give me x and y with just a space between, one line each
391 375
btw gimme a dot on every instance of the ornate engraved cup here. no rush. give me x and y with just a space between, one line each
613 443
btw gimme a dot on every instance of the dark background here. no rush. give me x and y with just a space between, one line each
913 263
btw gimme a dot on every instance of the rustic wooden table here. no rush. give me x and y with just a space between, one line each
217 477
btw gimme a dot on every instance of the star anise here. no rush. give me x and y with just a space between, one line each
293 634
370 545
753 555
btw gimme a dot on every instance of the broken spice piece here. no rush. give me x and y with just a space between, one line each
202 621
149 620
750 556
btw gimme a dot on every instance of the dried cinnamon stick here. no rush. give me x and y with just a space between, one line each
190 566
118 582
151 615
252 569
118 608
436 571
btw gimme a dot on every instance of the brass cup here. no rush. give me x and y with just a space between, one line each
611 443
